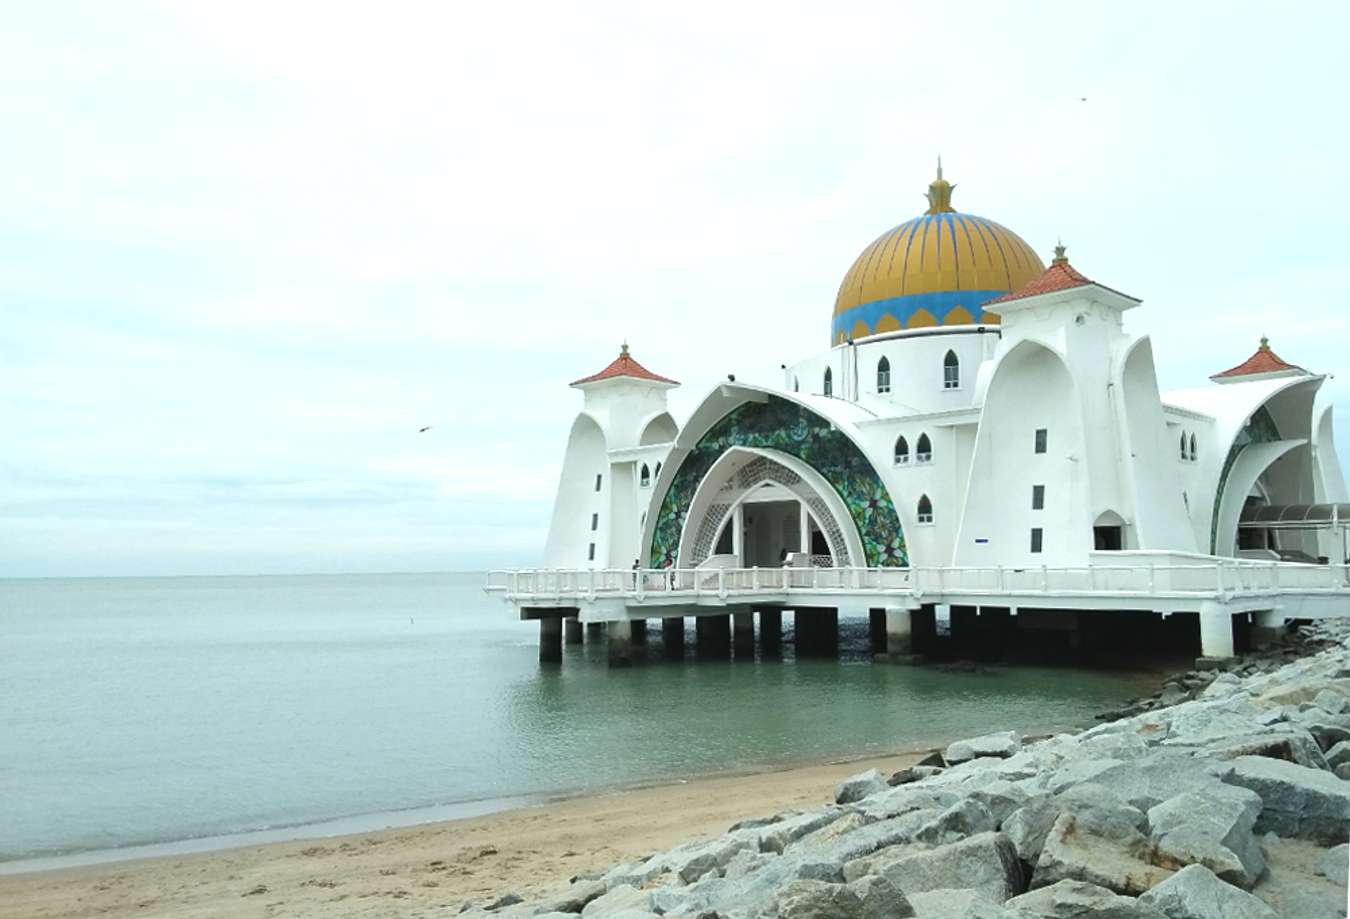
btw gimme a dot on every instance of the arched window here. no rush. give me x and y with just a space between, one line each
658 470
951 371
1193 453
829 382
901 451
646 477
925 509
923 450
1183 445
883 375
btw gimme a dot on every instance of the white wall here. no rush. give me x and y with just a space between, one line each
569 533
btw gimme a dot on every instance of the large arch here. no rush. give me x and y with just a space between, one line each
736 475
772 423
569 532
658 429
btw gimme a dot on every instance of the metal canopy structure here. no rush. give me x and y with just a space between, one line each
1295 517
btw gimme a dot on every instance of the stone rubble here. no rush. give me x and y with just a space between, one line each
1184 806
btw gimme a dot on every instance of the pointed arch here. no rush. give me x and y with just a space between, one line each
901 450
925 510
951 371
884 375
1193 450
923 450
645 477
827 386
1183 445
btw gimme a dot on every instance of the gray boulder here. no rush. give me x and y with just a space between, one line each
1329 700
963 903
1213 829
881 899
1099 810
986 863
1077 900
573 899
860 786
778 836
902 800
1197 893
1297 801
1151 780
1028 826
619 899
1289 742
1001 744
818 900
1333 863
1338 754
1116 863
1001 798
962 819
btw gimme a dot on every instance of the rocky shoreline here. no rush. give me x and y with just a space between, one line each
1224 796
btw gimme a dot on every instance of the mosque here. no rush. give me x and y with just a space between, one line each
975 411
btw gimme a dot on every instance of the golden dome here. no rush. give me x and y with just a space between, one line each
936 269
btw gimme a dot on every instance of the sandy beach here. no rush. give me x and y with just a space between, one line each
431 869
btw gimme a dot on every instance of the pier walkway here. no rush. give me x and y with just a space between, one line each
902 602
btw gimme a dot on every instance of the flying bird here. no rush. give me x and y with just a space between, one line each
424 430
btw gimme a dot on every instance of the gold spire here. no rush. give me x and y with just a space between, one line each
1060 258
940 194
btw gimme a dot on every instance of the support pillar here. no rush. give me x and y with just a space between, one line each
639 631
899 631
743 628
1216 631
550 639
572 631
620 640
771 632
595 631
876 630
964 625
923 628
672 636
995 632
713 635
817 631
1268 627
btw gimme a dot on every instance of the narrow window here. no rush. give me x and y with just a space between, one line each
925 510
951 371
923 450
646 477
595 522
1193 453
901 451
1183 445
796 385
598 478
591 556
1036 539
658 470
1038 497
883 375
1042 436
829 382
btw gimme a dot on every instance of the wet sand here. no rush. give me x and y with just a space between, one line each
431 869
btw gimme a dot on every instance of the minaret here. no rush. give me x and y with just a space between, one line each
623 426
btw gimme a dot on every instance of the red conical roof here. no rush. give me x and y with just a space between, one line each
1059 276
625 366
1263 361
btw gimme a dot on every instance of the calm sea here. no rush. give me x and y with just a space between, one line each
150 710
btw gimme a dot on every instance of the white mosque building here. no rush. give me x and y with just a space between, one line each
978 419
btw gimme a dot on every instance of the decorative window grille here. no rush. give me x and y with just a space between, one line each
951 371
901 451
646 477
923 450
829 382
883 376
925 510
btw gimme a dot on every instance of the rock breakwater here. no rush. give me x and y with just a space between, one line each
1230 801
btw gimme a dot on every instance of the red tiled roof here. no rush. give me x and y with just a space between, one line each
1263 361
625 366
1059 276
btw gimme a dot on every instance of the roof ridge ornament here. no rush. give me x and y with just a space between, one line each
1265 344
940 194
1060 258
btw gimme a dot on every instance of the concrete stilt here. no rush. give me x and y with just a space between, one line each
771 632
1216 631
876 630
899 631
550 639
964 626
639 628
1268 626
923 628
713 636
620 640
995 628
817 631
743 630
672 636
595 631
572 631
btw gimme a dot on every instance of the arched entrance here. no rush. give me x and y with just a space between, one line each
770 504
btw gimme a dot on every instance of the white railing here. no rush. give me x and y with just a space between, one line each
1143 578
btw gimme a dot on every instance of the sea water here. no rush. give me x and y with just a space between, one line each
145 710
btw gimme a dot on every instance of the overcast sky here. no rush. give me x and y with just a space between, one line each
248 249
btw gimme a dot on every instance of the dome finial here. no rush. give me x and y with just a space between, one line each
1060 257
940 194
623 349
1265 343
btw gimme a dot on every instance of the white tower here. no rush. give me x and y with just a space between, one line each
614 452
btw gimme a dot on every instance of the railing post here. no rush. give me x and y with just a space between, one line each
1150 577
1045 580
722 583
815 578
